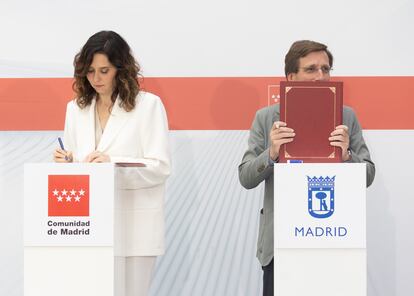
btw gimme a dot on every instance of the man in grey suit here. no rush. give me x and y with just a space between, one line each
305 61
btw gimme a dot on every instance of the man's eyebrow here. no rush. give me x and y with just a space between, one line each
315 65
308 66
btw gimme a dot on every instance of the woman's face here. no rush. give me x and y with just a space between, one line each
101 75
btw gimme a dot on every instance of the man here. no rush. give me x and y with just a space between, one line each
306 61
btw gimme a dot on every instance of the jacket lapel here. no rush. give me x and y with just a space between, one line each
86 126
116 121
276 113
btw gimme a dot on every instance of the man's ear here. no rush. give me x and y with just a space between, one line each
291 76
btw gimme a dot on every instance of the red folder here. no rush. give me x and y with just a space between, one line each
313 109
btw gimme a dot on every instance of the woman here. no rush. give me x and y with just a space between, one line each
113 120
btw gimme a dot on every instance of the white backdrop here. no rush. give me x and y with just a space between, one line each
211 220
209 38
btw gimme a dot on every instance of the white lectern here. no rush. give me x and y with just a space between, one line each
68 229
320 229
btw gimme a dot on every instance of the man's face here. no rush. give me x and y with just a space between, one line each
313 67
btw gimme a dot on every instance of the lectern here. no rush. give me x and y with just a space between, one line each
320 229
68 229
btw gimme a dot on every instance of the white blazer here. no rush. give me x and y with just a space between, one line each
140 135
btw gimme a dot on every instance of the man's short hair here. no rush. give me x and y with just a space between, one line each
300 49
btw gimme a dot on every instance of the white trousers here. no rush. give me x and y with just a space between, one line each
133 275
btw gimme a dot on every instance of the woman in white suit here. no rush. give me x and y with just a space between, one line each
113 120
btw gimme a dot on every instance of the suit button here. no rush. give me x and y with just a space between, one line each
261 168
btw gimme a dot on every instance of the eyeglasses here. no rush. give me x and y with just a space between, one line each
314 69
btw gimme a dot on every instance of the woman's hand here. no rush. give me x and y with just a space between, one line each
97 156
62 156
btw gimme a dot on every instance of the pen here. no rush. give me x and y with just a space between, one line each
61 144
62 147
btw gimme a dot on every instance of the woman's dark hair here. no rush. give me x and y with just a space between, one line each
119 54
300 49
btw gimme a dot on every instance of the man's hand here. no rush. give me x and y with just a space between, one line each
340 138
279 134
97 156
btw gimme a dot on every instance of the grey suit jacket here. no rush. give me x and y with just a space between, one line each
257 167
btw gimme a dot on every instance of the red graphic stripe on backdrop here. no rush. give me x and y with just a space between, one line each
200 103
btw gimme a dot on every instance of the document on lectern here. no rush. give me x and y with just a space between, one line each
312 109
130 164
